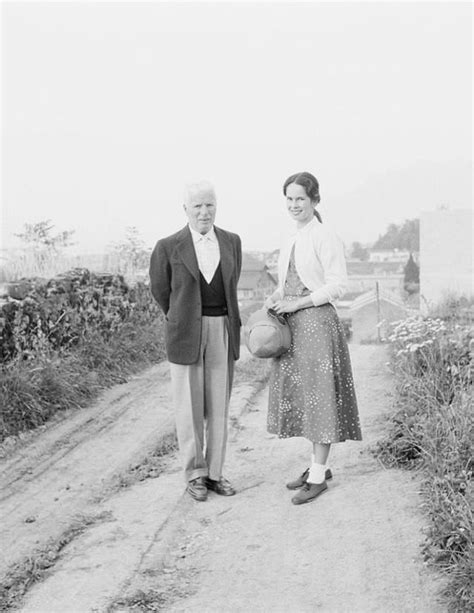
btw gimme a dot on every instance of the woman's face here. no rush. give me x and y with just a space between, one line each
300 207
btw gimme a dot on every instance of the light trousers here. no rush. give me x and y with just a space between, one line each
201 393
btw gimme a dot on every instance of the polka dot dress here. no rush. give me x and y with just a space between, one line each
311 385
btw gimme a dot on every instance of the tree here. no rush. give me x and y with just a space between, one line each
409 235
411 276
132 253
405 236
42 248
358 252
38 236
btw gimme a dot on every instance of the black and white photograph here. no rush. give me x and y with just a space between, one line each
236 306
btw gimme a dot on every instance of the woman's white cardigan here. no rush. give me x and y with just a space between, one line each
319 261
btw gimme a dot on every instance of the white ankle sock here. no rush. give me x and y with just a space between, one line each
316 473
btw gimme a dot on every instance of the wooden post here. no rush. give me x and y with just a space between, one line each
377 295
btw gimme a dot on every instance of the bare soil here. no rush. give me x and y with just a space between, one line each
356 548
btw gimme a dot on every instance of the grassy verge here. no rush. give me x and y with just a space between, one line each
39 563
432 429
33 390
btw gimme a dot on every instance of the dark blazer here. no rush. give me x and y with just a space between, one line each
174 277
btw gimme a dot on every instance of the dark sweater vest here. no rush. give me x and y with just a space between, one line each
213 295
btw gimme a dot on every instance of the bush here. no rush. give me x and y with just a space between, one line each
433 429
60 313
63 347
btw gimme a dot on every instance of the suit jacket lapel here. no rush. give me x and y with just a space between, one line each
187 252
227 256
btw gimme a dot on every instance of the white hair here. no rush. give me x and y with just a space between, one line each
198 186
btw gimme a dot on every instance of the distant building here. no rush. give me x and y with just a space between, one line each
372 312
363 276
259 256
343 305
343 308
256 282
271 259
446 255
391 255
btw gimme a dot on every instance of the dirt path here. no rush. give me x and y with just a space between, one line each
57 480
354 549
52 480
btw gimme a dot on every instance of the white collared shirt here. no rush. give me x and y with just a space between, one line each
207 252
319 261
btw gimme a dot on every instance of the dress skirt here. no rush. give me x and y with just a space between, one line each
311 385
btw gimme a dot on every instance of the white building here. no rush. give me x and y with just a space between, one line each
391 255
446 250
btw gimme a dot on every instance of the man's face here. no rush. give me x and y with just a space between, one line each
201 210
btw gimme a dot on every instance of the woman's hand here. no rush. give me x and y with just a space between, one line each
269 302
286 306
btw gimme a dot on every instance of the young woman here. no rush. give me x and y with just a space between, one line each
311 386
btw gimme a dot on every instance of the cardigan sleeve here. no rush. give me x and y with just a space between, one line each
330 251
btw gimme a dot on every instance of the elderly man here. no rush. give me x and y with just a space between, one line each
194 275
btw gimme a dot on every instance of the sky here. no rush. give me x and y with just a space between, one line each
109 108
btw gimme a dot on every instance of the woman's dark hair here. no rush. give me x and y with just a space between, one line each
311 186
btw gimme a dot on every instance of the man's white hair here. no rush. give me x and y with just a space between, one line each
203 185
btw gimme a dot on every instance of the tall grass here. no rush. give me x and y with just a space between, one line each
32 391
28 264
432 429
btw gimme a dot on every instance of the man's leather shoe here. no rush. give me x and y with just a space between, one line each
297 483
309 492
197 489
221 487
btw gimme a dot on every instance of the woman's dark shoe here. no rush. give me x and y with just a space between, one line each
197 489
221 487
309 492
297 483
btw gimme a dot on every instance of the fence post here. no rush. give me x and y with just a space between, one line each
377 295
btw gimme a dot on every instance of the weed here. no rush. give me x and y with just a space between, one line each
159 588
151 600
152 465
